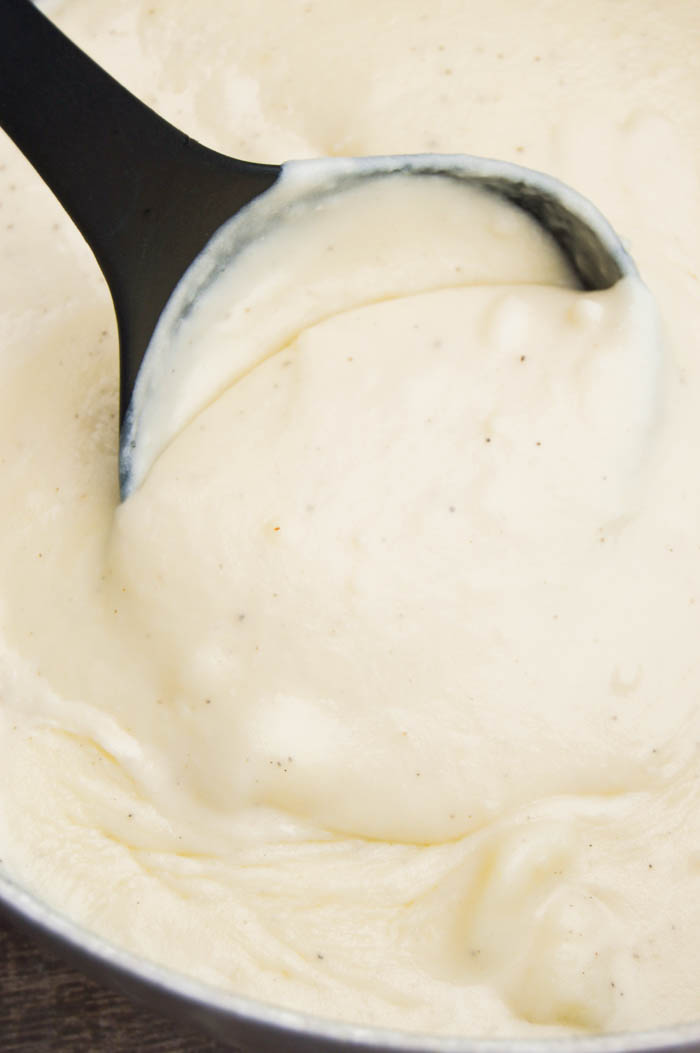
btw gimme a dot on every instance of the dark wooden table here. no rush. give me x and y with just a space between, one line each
46 1005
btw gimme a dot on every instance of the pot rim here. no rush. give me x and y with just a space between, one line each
195 999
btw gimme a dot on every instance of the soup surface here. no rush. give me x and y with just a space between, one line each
378 698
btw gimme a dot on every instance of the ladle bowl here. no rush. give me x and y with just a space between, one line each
148 199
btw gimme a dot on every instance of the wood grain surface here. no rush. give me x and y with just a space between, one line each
47 1005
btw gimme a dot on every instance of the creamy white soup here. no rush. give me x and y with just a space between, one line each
379 697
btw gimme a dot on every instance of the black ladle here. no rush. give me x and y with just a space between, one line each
147 198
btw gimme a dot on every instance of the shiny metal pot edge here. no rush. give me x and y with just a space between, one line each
256 1027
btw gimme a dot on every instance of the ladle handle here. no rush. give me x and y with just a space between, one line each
145 196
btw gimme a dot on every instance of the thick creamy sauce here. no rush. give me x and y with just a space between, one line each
378 697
